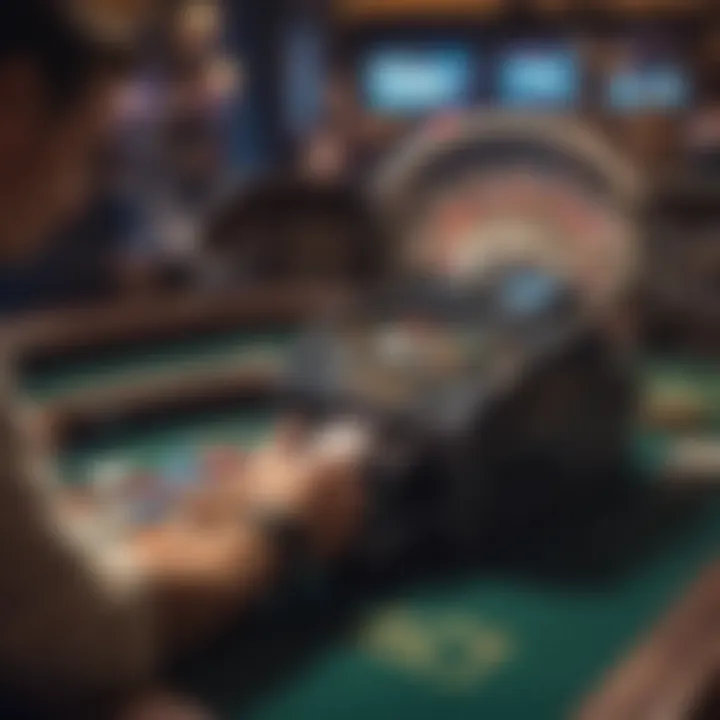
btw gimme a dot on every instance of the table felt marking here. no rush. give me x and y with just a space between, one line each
454 650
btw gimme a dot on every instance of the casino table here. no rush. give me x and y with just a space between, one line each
149 361
528 631
486 642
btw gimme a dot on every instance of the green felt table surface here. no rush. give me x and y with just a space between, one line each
476 644
472 647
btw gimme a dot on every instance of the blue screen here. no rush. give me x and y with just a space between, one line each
543 77
526 293
655 86
400 80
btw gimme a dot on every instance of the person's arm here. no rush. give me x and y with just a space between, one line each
203 569
79 619
198 578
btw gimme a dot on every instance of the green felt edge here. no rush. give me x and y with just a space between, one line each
46 385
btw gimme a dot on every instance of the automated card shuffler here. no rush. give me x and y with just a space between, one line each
497 404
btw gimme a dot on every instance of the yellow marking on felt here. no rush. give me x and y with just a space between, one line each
669 404
418 644
395 636
696 456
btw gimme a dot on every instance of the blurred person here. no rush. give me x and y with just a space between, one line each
88 619
347 144
325 158
178 140
88 261
172 125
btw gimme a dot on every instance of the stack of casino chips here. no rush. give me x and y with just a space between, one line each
679 421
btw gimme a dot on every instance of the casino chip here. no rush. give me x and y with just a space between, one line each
220 463
108 481
180 469
148 498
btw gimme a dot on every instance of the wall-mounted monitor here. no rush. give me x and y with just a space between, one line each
417 79
646 76
539 75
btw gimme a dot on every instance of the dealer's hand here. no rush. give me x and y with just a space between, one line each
313 479
310 478
203 566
